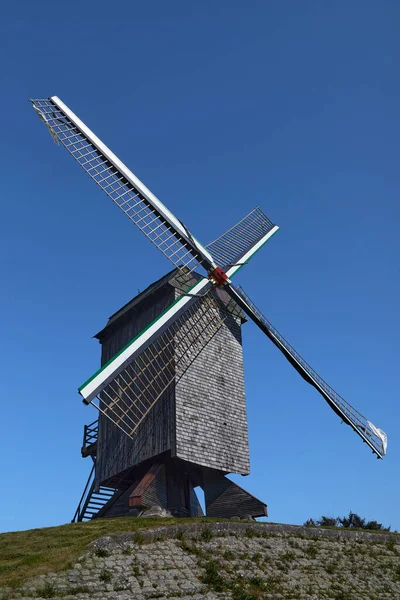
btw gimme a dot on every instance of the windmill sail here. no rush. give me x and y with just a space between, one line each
108 389
141 206
131 394
93 386
229 248
374 437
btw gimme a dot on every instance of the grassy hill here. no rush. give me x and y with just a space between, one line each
25 554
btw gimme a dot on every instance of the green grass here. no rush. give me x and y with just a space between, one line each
48 591
25 554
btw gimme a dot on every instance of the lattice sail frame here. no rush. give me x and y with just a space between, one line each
129 398
373 436
140 205
95 384
234 243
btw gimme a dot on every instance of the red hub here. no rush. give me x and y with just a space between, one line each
218 275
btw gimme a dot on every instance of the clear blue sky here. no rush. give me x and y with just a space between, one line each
217 107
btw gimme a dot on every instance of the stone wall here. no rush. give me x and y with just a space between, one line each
235 560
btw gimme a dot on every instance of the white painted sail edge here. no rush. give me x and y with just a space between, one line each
135 181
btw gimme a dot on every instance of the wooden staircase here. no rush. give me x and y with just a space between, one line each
92 500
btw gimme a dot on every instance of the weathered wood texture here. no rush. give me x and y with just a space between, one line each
202 419
211 418
119 508
151 489
224 498
168 485
116 451
148 490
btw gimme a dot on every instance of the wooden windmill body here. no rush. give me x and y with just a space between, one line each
193 436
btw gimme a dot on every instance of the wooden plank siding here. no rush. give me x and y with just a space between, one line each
224 498
116 451
202 419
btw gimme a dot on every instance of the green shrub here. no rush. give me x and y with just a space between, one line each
206 534
312 550
331 567
391 544
193 549
105 576
101 552
289 556
139 538
212 576
48 591
79 589
136 570
250 533
396 573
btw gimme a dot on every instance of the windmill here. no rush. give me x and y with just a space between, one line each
140 377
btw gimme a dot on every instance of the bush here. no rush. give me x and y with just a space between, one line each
352 521
322 522
311 523
375 526
328 522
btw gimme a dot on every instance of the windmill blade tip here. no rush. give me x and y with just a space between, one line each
381 435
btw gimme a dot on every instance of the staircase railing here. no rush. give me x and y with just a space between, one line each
92 499
87 492
90 435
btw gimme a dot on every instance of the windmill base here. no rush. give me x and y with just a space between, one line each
168 488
